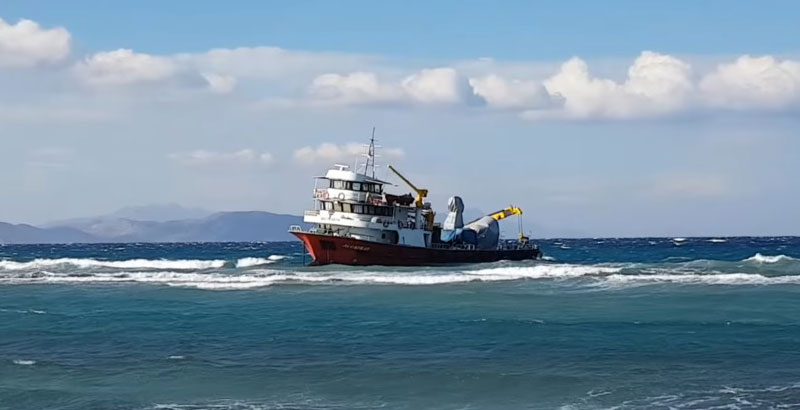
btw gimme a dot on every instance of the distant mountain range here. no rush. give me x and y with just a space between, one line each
160 223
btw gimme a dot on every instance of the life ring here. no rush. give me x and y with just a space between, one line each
341 196
325 194
385 223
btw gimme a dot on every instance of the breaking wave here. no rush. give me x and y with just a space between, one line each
24 362
705 279
268 277
768 258
178 264
257 276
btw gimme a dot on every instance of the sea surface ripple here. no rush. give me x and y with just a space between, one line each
668 323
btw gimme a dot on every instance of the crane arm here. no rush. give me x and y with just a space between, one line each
506 212
421 193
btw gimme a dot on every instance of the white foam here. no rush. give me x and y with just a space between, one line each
250 262
619 275
707 279
180 264
265 277
176 357
24 362
717 240
768 258
679 239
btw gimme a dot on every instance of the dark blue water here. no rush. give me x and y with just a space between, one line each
609 323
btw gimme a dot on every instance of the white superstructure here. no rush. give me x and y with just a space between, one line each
353 204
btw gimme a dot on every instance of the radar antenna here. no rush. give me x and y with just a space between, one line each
369 164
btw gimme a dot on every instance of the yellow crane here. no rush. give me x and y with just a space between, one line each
509 211
506 212
421 193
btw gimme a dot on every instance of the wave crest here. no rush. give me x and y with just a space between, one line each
759 258
178 264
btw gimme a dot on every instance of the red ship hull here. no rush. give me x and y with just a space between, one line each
326 249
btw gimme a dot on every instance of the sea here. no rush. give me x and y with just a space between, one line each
606 323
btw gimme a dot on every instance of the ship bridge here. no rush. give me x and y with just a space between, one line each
354 204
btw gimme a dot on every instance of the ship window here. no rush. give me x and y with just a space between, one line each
347 208
337 207
358 209
348 185
328 206
356 186
368 209
338 184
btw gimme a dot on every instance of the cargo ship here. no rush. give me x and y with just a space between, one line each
356 222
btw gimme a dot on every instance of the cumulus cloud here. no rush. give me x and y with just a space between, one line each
437 85
330 152
753 82
124 66
656 84
219 83
428 86
26 44
512 94
242 157
354 88
272 62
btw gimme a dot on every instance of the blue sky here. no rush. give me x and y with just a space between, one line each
422 29
598 118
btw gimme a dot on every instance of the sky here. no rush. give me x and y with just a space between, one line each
623 118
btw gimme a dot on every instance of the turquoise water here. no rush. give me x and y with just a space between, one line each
609 323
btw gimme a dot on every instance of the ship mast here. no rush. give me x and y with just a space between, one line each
370 155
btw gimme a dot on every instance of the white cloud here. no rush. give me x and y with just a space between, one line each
124 66
437 85
272 62
753 82
204 158
656 84
26 44
219 83
330 152
354 88
427 86
514 94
